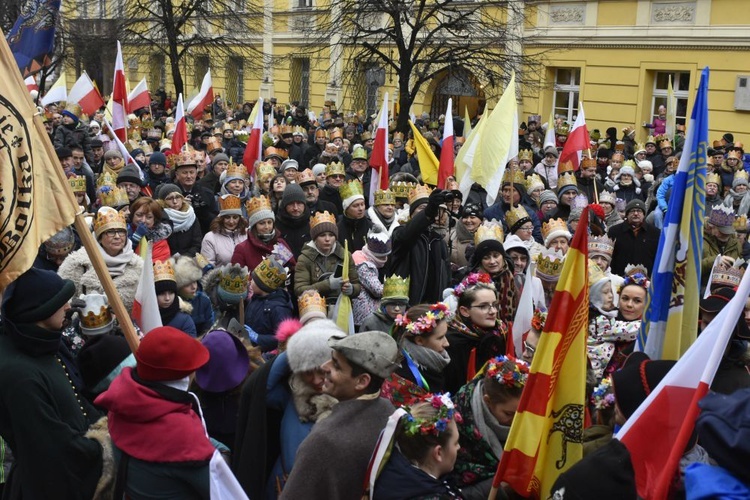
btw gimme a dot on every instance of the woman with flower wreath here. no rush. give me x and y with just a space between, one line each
420 334
487 405
425 445
612 336
475 333
602 407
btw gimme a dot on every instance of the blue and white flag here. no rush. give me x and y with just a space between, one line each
32 38
670 324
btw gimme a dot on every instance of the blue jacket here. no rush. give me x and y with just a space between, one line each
183 321
664 191
400 479
203 314
263 314
707 482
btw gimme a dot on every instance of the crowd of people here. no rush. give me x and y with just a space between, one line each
249 262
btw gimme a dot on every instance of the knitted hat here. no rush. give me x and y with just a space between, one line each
259 208
635 204
290 163
130 173
186 271
376 352
101 359
635 381
378 242
626 170
312 305
740 178
292 193
112 153
308 349
554 228
219 157
69 114
227 365
38 294
157 158
96 318
318 169
269 275
323 222
546 196
233 282
166 353
63 152
164 190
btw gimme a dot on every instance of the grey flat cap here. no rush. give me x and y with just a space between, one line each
374 351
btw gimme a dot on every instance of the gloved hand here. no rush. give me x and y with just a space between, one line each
437 198
251 334
139 232
335 283
347 288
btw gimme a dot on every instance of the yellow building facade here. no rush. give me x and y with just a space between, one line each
617 56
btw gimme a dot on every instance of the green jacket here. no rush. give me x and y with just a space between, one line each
312 266
712 248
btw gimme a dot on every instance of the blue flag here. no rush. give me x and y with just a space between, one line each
32 38
670 324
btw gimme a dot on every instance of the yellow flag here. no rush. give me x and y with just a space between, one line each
343 309
428 162
36 200
465 157
467 123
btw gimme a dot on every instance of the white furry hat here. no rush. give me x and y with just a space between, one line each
186 270
308 348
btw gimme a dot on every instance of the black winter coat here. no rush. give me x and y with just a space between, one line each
296 232
186 242
75 135
633 249
332 196
354 231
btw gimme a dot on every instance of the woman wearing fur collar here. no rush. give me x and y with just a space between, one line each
279 405
383 213
123 264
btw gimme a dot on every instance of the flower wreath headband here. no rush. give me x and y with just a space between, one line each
636 279
471 280
603 397
508 371
415 426
427 322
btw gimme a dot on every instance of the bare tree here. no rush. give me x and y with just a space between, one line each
417 40
217 28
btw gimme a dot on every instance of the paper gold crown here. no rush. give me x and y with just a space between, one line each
526 154
514 215
281 153
351 188
257 203
181 159
562 129
321 133
286 130
734 153
650 140
607 197
401 189
108 218
398 135
713 177
234 282
230 202
265 170
384 197
112 196
311 301
514 176
336 134
740 224
489 230
587 162
272 276
91 319
640 147
106 178
665 144
727 276
553 225
741 174
305 176
601 245
595 273
213 144
77 183
549 265
163 271
236 170
534 182
396 287
619 146
321 217
566 179
335 168
299 130
419 192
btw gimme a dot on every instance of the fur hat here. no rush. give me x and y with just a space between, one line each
308 349
186 271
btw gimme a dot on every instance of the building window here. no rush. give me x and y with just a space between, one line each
299 80
201 68
157 72
303 4
566 92
234 81
83 8
102 4
681 86
133 68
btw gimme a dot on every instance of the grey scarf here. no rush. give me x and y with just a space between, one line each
494 433
426 357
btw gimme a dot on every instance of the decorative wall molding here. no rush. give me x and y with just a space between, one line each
567 14
673 13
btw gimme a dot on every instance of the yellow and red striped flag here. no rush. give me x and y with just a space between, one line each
546 437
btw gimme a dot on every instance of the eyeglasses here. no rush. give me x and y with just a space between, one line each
116 232
337 176
529 348
485 308
526 228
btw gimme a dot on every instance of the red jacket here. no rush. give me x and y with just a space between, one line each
252 251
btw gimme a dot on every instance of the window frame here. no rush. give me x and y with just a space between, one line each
572 87
659 95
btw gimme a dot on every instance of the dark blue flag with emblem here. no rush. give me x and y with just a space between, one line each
32 38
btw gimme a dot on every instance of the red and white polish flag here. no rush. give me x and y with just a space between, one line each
139 97
85 94
578 141
179 139
119 99
203 99
379 156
